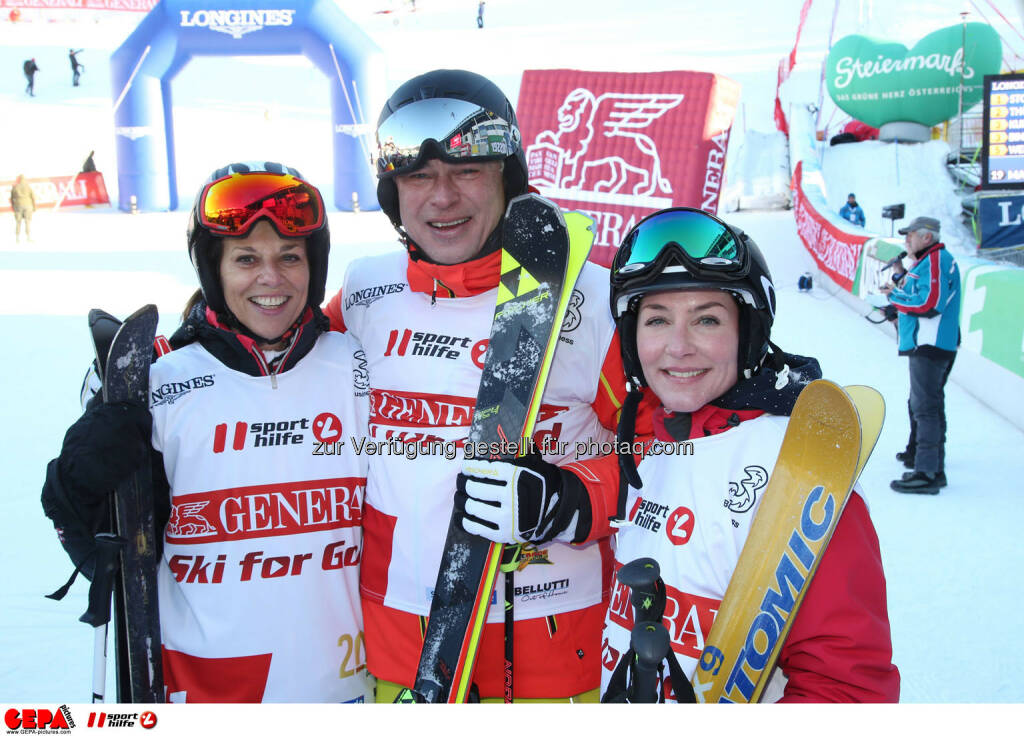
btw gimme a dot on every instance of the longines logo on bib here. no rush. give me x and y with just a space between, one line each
236 22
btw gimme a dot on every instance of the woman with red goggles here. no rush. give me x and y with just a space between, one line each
258 487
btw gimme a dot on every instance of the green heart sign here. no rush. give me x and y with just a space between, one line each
881 82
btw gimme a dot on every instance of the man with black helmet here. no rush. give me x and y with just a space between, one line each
694 303
449 159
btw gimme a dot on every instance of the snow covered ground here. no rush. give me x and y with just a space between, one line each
953 562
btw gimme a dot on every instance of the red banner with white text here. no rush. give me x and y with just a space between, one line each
837 253
143 6
619 146
86 188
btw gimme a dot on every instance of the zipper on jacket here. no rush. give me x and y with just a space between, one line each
258 354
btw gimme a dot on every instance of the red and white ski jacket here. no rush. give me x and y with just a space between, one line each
424 329
258 582
693 515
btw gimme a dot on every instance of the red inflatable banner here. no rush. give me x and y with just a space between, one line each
836 252
619 146
68 190
786 65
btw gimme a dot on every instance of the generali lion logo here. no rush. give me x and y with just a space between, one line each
558 159
187 521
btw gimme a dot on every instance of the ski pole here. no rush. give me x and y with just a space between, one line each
509 563
642 577
650 642
108 548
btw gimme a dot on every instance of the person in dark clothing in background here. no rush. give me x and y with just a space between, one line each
75 66
927 298
30 68
89 165
480 15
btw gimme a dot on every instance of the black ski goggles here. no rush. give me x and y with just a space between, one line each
452 130
698 246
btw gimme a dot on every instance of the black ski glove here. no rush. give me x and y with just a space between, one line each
106 445
524 499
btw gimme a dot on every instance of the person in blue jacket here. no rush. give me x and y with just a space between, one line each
927 298
852 211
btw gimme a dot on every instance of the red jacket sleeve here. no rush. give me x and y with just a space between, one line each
333 312
840 647
612 392
600 476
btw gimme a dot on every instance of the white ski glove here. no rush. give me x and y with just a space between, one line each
520 500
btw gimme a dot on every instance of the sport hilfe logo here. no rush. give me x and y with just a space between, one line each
326 427
434 345
146 719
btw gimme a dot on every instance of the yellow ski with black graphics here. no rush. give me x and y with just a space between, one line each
539 266
830 436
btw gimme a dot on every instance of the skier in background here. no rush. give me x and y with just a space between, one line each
75 66
480 15
694 301
30 68
447 205
260 535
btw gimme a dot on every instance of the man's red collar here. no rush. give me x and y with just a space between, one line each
457 280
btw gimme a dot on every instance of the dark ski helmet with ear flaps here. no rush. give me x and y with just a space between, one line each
205 246
684 248
451 114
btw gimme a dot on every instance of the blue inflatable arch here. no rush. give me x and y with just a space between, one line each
175 31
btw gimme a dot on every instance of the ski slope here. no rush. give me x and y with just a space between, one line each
953 562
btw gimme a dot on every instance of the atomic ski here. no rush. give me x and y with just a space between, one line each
539 267
126 378
831 433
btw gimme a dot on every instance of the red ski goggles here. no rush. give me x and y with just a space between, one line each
232 205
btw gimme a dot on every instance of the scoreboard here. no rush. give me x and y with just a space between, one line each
1002 146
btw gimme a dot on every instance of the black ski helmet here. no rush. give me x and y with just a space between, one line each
205 254
686 248
436 133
